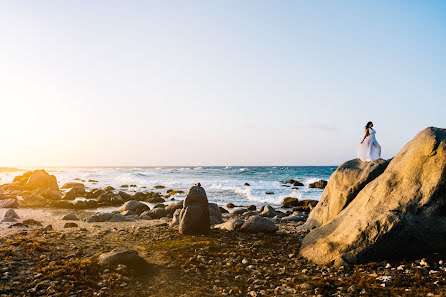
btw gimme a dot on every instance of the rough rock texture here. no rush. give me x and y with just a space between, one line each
215 216
194 217
72 184
259 224
40 179
344 184
268 211
129 258
402 213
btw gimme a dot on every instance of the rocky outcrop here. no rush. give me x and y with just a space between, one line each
40 179
344 184
194 217
401 213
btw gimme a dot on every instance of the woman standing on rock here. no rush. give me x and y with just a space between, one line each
369 149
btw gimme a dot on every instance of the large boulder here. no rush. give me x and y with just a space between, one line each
40 179
194 216
401 213
343 186
74 192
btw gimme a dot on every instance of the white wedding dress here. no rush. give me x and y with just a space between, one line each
369 150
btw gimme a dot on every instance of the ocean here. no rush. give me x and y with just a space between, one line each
222 184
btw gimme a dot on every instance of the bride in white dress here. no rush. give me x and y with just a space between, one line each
369 149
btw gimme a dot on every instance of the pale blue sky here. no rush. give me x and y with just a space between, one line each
216 82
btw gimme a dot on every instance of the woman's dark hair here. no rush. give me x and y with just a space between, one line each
368 125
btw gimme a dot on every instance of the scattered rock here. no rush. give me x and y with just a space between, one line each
251 207
74 192
135 206
157 213
320 184
215 216
70 217
268 212
109 188
159 187
11 214
259 224
230 205
129 258
171 208
246 184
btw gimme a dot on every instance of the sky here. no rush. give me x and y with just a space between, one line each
193 83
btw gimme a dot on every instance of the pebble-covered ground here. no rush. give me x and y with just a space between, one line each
42 262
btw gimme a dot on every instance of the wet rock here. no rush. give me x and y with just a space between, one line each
108 188
129 258
124 186
11 214
125 197
246 185
70 217
135 206
259 224
320 184
230 205
9 203
72 185
251 207
194 216
92 181
159 187
290 202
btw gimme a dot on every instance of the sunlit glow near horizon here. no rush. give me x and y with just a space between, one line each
165 83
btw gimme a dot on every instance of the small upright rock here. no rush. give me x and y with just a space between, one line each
194 217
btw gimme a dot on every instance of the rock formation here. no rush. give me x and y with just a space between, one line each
194 217
344 184
401 213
